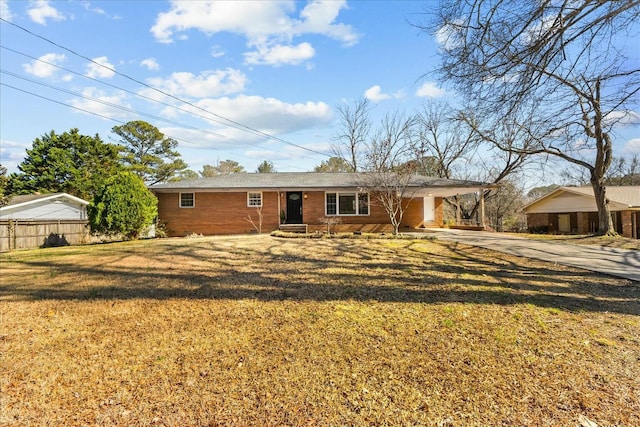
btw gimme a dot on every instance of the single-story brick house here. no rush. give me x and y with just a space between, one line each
573 210
235 204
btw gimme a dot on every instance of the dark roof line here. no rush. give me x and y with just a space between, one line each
305 180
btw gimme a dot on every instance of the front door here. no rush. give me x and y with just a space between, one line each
429 210
294 207
564 223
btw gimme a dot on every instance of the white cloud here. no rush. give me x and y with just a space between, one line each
633 146
40 10
268 26
267 115
450 36
45 65
103 103
12 153
100 68
207 84
319 17
217 51
151 64
430 90
374 93
5 12
280 54
622 118
87 5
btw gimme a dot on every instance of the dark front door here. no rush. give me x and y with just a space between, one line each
294 207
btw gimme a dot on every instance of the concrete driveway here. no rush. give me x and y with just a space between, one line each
623 263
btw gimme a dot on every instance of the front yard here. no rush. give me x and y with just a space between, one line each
266 331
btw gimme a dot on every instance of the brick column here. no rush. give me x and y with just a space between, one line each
627 228
583 223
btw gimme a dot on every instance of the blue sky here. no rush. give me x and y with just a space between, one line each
279 67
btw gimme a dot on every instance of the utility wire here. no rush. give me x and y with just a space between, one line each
191 112
62 103
238 125
95 114
118 88
109 104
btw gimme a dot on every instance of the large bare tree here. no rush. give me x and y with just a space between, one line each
355 127
456 146
565 60
388 158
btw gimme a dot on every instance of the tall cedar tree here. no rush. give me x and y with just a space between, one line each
123 205
148 152
70 162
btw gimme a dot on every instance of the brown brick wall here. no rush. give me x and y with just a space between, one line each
584 222
228 213
537 220
216 213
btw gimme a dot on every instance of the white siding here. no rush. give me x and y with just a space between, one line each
565 202
47 209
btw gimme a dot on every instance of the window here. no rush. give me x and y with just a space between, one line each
254 200
363 203
187 200
332 204
347 203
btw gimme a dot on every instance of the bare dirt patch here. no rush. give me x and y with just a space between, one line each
266 331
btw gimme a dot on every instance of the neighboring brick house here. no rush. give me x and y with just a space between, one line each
234 204
573 210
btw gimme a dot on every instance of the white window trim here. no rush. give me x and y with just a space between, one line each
180 200
249 199
357 193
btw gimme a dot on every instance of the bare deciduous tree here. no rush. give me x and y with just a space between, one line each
257 223
355 126
564 60
388 159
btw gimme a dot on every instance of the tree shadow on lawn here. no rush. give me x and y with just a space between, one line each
319 271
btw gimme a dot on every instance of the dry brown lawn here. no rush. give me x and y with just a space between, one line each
618 242
258 330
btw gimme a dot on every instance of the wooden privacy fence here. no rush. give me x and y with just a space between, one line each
27 234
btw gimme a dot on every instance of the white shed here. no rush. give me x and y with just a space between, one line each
57 206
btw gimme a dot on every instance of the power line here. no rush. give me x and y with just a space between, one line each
114 86
118 88
62 103
109 104
234 123
80 109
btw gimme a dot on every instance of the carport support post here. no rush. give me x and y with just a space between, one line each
482 220
458 213
279 210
